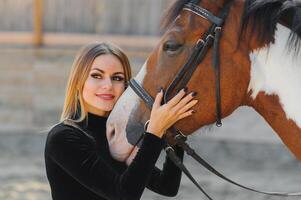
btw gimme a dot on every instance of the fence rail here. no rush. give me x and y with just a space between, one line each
102 17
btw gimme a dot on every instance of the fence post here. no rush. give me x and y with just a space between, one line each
38 23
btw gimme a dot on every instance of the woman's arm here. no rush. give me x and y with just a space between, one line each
77 155
167 181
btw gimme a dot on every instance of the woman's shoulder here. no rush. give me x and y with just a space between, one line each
67 131
65 140
61 128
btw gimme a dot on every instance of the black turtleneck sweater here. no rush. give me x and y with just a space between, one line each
79 165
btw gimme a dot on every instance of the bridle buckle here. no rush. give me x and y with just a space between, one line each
146 125
180 137
218 28
200 41
209 36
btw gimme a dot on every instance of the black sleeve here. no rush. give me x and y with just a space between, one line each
76 153
167 181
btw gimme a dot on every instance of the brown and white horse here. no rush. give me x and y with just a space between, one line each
260 65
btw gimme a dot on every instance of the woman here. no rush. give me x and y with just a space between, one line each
78 161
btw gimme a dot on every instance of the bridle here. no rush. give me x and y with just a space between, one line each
202 46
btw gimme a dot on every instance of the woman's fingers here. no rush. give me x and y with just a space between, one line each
187 106
186 114
175 100
184 101
162 117
158 99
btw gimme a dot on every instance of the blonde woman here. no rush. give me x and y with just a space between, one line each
78 161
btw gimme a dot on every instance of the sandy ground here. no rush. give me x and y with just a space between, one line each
245 149
22 173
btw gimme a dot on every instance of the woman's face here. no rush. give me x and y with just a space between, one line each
104 85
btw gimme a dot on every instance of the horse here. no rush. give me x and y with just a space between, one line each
260 67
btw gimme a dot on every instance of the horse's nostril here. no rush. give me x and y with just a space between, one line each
111 133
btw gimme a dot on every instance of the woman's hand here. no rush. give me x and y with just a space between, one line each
163 117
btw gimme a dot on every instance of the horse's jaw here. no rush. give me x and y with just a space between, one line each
120 148
119 121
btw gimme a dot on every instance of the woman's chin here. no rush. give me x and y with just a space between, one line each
105 108
97 108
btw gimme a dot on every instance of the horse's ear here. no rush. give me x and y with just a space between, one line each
291 17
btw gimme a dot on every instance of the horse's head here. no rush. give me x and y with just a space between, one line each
184 27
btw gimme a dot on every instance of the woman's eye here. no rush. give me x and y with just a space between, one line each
114 78
118 78
97 76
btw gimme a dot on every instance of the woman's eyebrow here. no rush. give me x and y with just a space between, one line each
116 73
101 71
98 70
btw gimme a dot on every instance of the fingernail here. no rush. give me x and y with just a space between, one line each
193 111
185 89
160 89
193 94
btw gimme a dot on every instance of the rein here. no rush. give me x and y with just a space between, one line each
212 37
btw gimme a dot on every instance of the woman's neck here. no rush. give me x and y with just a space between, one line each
98 112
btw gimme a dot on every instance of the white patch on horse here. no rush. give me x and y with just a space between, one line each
120 148
275 70
140 76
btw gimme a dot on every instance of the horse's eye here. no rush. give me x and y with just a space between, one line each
171 46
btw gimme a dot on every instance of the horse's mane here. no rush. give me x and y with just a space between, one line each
264 14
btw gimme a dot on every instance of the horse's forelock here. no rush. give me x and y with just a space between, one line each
264 16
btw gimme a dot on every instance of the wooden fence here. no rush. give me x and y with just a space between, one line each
27 21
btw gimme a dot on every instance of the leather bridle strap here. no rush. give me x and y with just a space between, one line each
203 13
141 93
205 164
216 65
176 160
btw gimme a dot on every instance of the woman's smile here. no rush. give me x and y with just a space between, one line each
106 97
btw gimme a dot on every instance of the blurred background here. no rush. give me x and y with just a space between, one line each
38 42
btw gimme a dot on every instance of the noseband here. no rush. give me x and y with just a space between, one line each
202 46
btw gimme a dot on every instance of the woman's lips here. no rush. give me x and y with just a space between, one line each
107 97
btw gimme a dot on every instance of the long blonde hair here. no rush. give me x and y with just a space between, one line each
74 104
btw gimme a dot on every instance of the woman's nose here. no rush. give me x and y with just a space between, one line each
107 83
